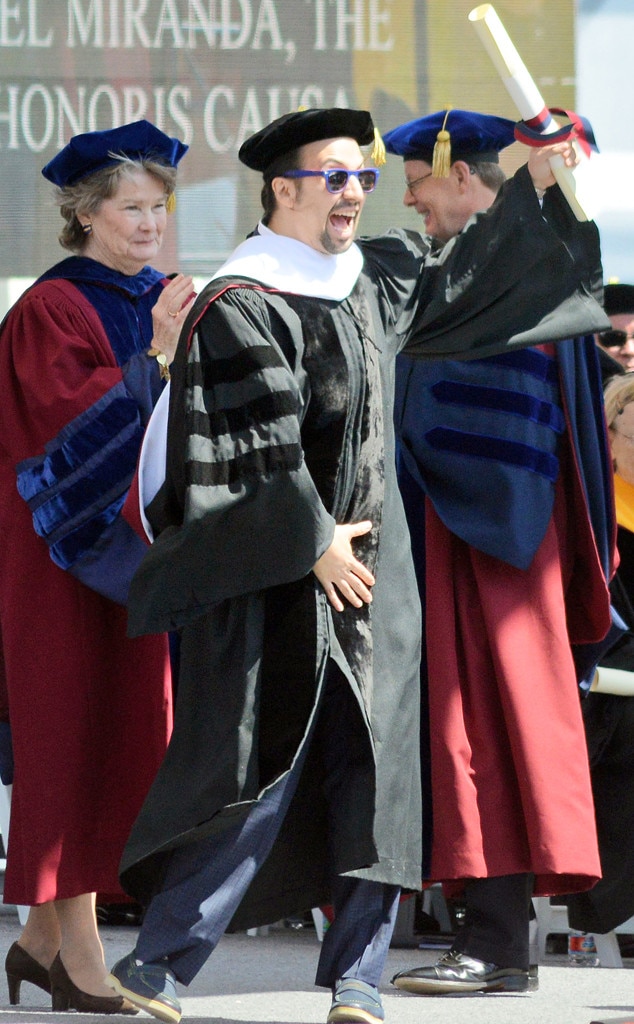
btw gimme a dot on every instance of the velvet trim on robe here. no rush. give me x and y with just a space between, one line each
517 609
76 486
244 439
484 434
243 525
90 709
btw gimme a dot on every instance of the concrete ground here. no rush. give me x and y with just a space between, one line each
256 980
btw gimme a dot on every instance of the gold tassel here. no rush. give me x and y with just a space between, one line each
170 204
378 149
441 161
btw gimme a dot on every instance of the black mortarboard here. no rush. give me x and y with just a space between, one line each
300 127
618 298
92 151
470 135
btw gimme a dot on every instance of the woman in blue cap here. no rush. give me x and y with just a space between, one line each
83 357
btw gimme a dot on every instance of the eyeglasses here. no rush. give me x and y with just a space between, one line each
337 178
411 185
615 339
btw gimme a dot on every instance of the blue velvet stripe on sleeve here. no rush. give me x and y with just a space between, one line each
504 400
484 434
75 490
498 449
526 360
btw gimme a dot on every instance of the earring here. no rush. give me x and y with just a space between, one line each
87 228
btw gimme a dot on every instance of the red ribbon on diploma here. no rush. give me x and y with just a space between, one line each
531 132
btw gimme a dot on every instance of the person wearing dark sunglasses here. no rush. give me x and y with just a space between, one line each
618 341
284 560
337 178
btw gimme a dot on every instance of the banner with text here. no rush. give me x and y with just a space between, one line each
214 71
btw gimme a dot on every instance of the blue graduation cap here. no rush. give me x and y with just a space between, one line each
92 151
449 135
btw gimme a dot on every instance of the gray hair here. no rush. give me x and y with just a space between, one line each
490 174
87 195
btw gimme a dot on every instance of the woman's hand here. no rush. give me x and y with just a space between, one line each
538 162
168 315
340 573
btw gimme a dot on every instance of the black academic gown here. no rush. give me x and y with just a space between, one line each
609 724
280 426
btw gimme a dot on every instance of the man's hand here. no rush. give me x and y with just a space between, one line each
340 573
538 162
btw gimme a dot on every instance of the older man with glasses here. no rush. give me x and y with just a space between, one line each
504 468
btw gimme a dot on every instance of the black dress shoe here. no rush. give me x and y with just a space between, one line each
66 995
457 972
20 966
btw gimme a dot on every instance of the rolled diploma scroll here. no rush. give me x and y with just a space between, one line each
528 100
613 680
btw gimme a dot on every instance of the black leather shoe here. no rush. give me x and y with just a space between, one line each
20 966
457 972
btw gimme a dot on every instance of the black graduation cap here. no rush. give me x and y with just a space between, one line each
449 135
92 151
618 298
301 127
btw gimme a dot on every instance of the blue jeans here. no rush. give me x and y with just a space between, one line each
205 881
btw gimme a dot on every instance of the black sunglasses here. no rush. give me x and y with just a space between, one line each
615 339
337 178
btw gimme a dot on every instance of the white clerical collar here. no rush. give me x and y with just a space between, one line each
291 266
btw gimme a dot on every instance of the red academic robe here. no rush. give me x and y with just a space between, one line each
509 767
89 709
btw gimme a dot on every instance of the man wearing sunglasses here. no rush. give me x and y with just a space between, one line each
283 559
505 471
618 341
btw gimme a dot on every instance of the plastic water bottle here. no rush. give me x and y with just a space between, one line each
582 951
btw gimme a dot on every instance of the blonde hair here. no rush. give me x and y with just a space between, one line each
619 392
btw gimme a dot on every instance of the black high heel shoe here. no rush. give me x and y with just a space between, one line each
66 995
21 966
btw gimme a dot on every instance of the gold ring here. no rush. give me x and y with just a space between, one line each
169 313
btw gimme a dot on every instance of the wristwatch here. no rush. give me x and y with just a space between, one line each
161 359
